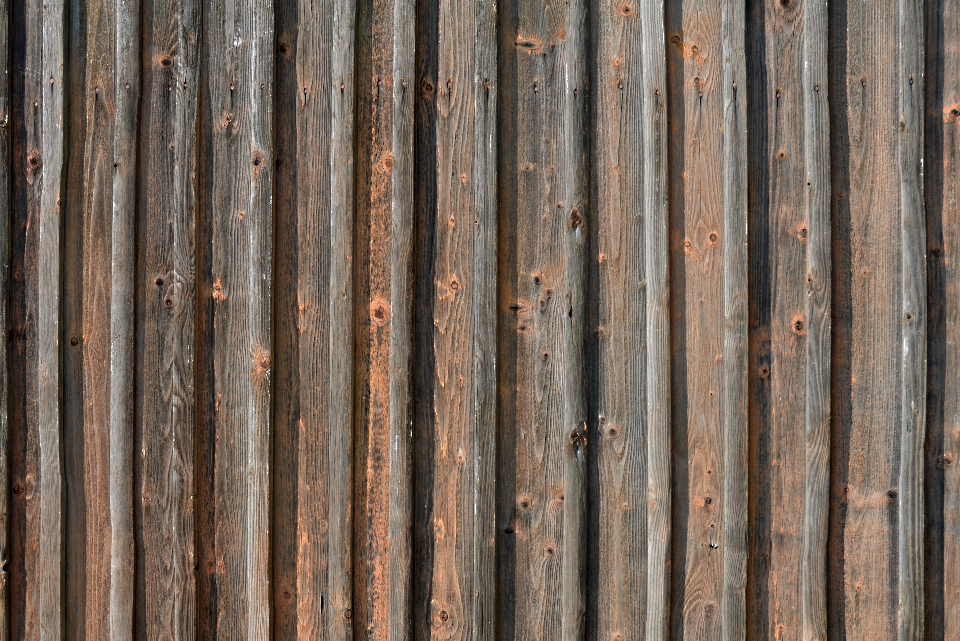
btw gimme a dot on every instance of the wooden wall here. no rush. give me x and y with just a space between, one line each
608 320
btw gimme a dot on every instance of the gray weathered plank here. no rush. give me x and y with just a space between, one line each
790 318
544 203
313 347
709 285
165 321
629 172
236 211
382 310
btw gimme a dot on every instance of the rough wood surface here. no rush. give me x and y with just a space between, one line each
790 318
236 210
708 176
166 287
313 344
5 218
632 442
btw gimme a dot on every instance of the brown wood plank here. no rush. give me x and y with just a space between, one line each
236 212
165 322
879 319
5 213
709 314
629 170
313 348
543 206
382 309
456 323
790 318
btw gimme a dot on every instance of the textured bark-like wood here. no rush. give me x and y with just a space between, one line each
708 206
879 308
544 214
165 322
789 318
629 165
456 322
312 490
236 216
5 212
382 310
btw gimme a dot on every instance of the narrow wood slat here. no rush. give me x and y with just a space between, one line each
880 319
456 325
312 492
165 322
790 318
629 169
382 309
236 212
709 311
5 217
544 212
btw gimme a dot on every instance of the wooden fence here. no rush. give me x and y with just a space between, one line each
547 320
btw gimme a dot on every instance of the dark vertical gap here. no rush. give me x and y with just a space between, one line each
424 359
285 326
507 135
937 306
841 300
676 128
760 297
72 339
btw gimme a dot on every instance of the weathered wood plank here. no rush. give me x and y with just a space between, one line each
313 347
629 168
709 311
879 318
236 212
37 56
544 202
789 318
382 309
942 195
165 322
5 217
456 323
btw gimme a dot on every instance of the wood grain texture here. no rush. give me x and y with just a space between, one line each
236 211
709 308
456 324
166 312
879 341
37 56
5 218
789 318
629 174
312 491
544 211
382 311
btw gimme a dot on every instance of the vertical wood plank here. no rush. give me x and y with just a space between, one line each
37 55
166 287
790 317
456 323
880 346
5 218
236 210
709 312
312 490
629 169
382 308
941 480
544 209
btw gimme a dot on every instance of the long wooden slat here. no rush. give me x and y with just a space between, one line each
544 214
709 312
879 319
629 170
236 213
312 491
5 212
456 323
789 318
942 196
382 309
165 322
